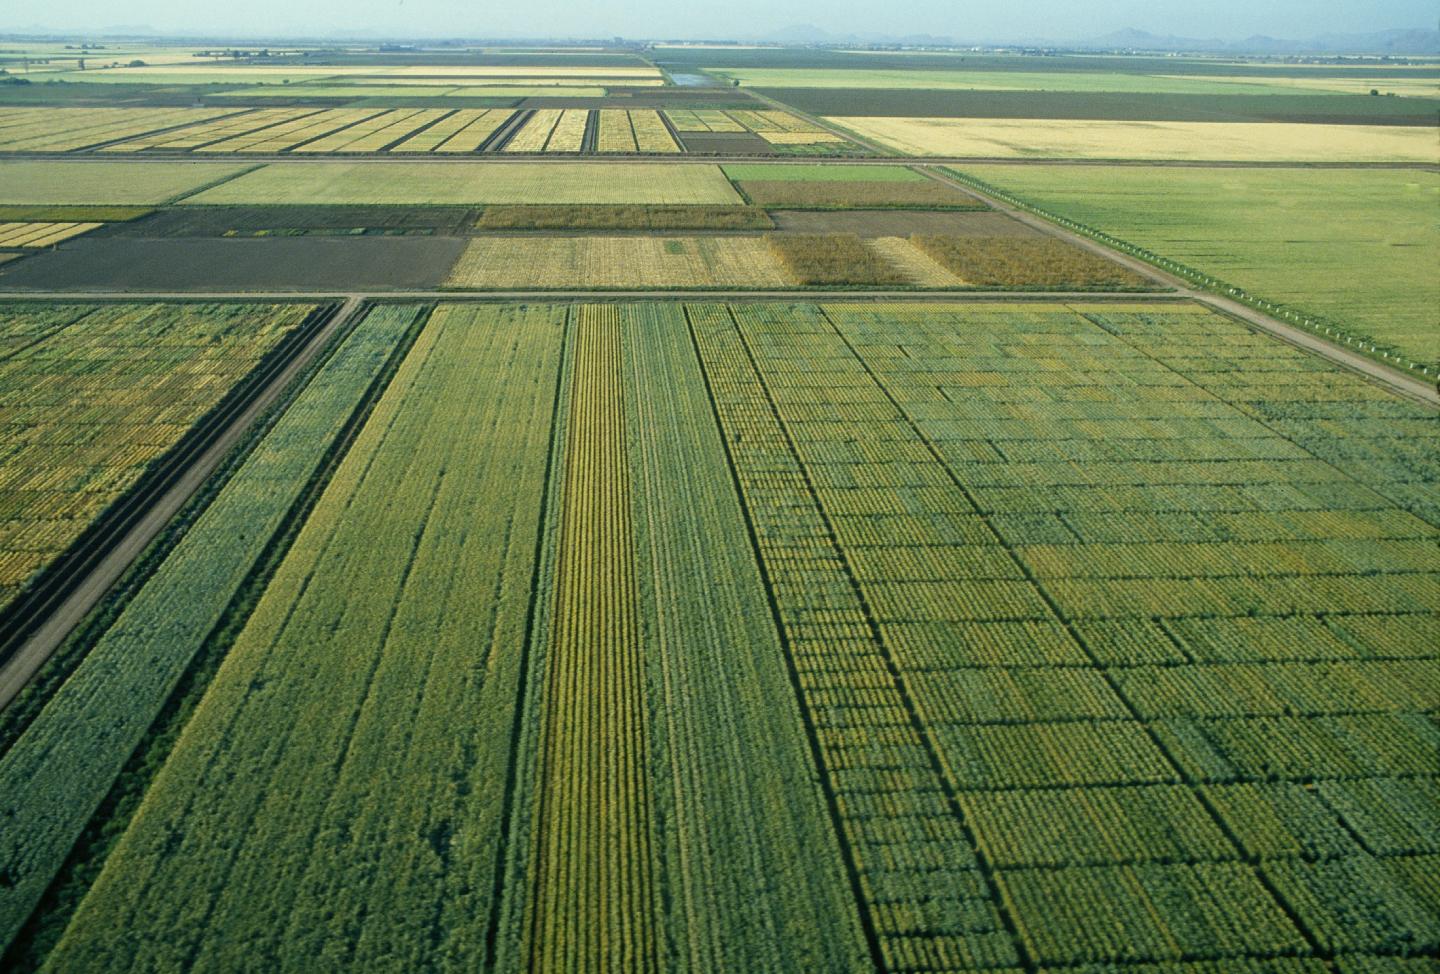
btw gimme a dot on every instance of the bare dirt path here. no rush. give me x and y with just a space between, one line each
41 644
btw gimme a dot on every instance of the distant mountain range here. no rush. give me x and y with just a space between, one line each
1400 42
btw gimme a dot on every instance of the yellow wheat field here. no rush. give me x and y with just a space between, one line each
32 235
617 262
1209 141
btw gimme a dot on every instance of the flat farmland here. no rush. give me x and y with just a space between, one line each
110 182
944 636
1355 249
1105 139
94 395
417 182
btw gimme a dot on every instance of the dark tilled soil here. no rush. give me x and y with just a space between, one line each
900 223
273 263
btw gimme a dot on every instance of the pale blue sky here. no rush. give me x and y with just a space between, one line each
965 19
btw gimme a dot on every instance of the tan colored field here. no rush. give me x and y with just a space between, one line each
617 262
1412 87
1207 141
918 267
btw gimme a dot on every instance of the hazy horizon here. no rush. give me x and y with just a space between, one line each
1226 20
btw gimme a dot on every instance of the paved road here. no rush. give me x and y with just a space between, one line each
32 654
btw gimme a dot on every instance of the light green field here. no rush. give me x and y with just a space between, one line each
444 183
116 183
995 81
782 173
1354 247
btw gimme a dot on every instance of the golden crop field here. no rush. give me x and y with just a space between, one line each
535 132
496 263
569 132
94 395
66 129
376 133
218 130
913 263
1089 139
461 131
35 235
519 182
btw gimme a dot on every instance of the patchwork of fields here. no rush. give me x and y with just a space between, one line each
927 637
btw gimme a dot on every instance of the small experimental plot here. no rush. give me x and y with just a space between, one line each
292 133
632 732
560 263
1352 251
1334 109
1019 263
550 130
375 134
520 182
1029 138
131 669
582 217
640 130
67 129
196 136
113 183
465 130
715 130
1070 614
94 395
38 235
843 187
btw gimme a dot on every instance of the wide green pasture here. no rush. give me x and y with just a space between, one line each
79 183
1356 247
444 183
